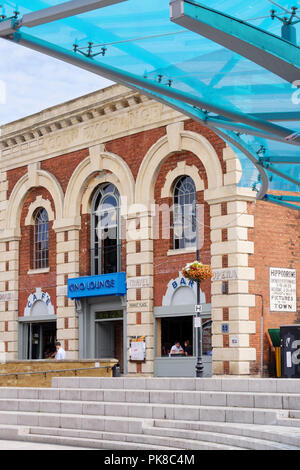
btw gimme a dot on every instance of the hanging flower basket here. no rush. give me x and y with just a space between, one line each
197 271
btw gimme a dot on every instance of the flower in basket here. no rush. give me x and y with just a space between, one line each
197 271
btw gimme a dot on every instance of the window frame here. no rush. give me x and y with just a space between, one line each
96 251
182 242
40 255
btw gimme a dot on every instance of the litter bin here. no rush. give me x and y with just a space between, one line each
275 338
116 370
290 351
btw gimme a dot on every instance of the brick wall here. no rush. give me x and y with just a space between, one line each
46 281
276 237
167 267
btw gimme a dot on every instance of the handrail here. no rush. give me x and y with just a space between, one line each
55 371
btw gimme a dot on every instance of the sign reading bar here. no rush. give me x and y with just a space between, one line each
283 290
94 286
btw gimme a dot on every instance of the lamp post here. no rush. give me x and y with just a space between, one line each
199 364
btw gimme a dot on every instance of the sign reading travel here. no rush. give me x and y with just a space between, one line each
94 286
283 290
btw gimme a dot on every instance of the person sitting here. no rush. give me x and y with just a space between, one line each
177 349
188 350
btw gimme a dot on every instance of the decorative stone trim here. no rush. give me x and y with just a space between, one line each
98 161
33 272
39 202
159 152
182 169
33 178
181 252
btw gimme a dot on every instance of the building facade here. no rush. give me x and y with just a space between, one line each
94 233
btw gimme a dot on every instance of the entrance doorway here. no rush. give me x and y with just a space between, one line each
109 336
38 340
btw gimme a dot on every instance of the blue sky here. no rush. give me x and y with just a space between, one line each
33 81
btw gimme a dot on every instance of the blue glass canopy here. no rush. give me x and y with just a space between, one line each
231 65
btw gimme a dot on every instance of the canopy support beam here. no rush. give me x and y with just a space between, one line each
265 49
129 79
281 160
281 202
283 175
57 12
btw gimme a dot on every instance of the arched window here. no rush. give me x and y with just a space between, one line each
184 213
106 231
41 239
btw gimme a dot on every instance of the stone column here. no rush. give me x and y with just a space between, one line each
230 251
140 320
9 269
67 242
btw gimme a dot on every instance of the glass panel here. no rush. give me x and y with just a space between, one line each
140 39
206 337
184 213
175 334
106 244
41 240
109 315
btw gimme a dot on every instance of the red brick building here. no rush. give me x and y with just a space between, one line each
98 186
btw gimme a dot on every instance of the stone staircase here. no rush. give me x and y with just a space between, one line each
156 414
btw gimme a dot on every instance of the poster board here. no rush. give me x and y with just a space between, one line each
137 348
283 290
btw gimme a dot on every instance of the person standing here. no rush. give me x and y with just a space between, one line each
60 352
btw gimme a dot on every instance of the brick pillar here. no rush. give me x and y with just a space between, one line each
67 267
9 269
140 321
230 249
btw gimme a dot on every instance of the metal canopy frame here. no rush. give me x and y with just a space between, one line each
55 13
254 134
269 51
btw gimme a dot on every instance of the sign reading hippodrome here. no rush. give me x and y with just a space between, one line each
283 290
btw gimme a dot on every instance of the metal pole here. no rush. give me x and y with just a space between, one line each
199 364
261 335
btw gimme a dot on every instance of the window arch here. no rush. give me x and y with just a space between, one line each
106 230
41 239
184 213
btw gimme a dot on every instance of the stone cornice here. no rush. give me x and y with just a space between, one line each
96 118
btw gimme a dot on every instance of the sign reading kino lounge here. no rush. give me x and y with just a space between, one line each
283 290
92 286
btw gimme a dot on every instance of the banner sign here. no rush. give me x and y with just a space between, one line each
94 286
283 290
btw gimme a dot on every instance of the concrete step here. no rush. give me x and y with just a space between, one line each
291 422
140 410
160 435
105 440
71 421
220 438
94 444
159 440
204 398
278 434
214 384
